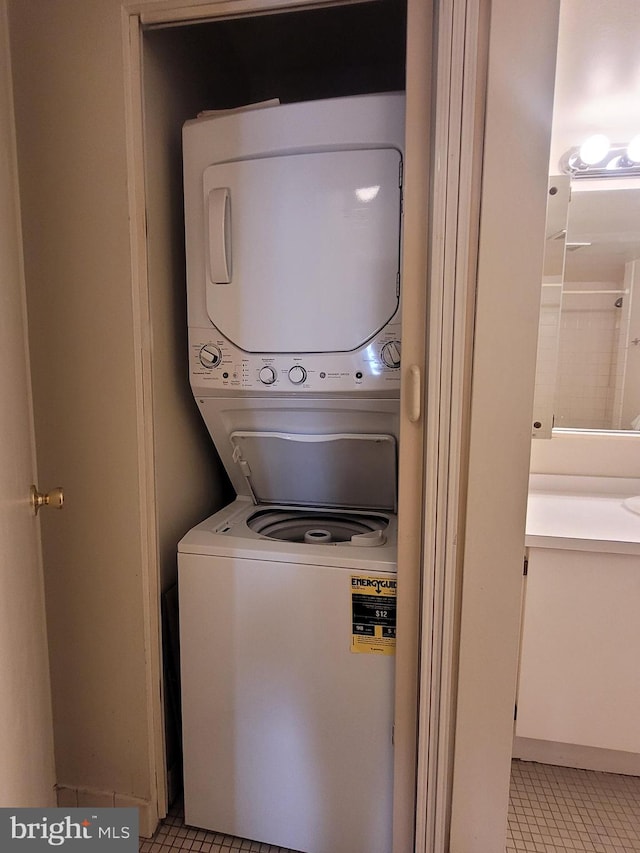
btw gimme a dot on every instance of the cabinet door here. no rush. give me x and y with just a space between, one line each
579 677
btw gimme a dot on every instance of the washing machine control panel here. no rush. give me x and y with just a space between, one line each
216 364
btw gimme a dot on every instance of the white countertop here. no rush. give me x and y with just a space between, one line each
582 513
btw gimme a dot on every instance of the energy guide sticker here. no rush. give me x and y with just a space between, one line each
373 615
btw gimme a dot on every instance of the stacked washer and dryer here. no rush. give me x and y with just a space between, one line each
287 596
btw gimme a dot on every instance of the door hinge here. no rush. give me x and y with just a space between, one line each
525 566
400 168
515 712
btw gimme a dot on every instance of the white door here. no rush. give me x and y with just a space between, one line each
26 734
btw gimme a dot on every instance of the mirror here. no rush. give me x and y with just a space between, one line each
597 314
598 381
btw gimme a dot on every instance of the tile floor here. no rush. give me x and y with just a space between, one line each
551 810
172 835
558 809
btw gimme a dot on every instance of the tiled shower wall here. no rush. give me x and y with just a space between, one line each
547 357
588 356
621 418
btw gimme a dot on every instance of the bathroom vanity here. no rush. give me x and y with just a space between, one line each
579 682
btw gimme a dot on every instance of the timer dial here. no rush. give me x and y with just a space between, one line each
390 354
297 374
210 356
267 375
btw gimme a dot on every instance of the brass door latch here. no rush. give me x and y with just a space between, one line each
53 498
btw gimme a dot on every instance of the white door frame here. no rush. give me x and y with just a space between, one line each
462 27
142 332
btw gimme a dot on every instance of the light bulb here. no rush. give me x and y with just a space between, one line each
594 149
633 150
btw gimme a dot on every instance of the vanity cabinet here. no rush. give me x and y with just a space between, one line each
579 674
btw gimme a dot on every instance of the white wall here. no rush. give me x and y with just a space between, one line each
68 78
590 454
188 476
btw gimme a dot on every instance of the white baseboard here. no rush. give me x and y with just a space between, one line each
79 797
573 755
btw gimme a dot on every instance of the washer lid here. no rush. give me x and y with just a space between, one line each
303 250
338 470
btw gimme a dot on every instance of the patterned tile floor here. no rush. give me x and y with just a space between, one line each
558 809
173 835
551 810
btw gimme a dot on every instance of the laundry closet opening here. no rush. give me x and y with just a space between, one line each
294 56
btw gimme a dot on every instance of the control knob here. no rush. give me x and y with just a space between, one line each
267 375
210 356
297 374
390 354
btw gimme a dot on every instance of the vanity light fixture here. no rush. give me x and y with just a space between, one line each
598 158
633 151
594 149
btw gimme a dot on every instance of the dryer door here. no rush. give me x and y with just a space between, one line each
303 250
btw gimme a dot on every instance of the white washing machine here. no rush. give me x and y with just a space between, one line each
287 676
287 596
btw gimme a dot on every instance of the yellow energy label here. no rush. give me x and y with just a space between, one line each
373 615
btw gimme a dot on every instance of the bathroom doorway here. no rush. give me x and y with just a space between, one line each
577 787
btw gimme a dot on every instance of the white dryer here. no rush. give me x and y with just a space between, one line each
287 596
292 219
